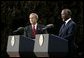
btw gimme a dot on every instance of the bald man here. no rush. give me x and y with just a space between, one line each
35 28
67 30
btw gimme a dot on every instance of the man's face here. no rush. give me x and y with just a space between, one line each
33 19
64 15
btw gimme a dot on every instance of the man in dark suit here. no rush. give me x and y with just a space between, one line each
67 31
35 28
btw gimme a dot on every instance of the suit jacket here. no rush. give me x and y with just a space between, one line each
68 31
28 30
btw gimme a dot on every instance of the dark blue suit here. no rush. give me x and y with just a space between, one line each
68 32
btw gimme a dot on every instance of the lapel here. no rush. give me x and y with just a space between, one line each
62 27
30 29
65 27
37 29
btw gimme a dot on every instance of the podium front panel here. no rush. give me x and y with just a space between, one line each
26 47
57 46
13 46
41 48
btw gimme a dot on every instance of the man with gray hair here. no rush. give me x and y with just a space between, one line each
35 28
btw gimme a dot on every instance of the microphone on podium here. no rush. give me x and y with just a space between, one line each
18 29
48 26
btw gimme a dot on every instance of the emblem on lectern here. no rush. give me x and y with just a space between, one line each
41 40
12 41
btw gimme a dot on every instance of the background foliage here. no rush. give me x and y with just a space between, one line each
15 14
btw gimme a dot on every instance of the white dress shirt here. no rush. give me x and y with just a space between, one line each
35 26
67 21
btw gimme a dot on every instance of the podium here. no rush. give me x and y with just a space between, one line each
20 46
44 45
50 46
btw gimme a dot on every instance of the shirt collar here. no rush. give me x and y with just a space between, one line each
67 21
35 26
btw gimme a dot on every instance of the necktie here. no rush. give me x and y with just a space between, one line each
33 31
63 24
62 28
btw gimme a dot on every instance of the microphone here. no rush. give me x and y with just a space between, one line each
18 29
48 26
